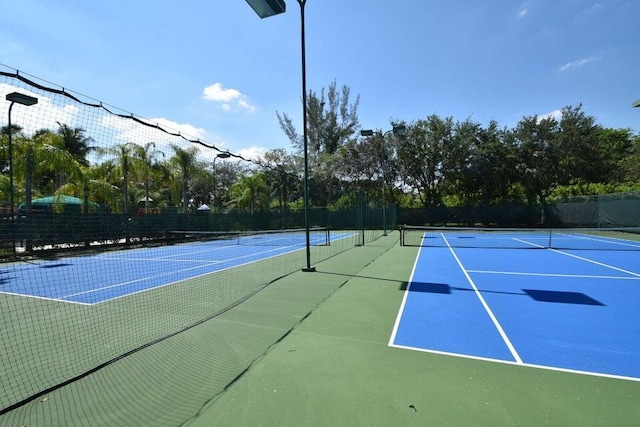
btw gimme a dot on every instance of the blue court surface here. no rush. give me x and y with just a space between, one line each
102 277
568 310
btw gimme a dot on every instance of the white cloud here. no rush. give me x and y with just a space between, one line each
184 129
523 12
229 99
252 152
555 114
246 105
524 9
576 64
216 92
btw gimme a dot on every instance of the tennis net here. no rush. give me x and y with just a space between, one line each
615 239
294 237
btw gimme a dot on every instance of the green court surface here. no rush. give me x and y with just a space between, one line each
312 349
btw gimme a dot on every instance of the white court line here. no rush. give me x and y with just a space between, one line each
404 301
43 298
595 262
143 279
527 365
501 331
578 276
180 271
608 240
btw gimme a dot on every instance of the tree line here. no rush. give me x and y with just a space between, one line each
434 161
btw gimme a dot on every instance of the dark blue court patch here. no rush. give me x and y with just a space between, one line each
432 288
561 297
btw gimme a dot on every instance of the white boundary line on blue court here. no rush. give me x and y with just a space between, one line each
404 300
577 276
602 264
508 362
43 298
497 324
604 239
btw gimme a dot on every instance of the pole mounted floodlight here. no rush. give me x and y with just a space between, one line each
397 130
264 9
21 98
15 98
267 8
636 104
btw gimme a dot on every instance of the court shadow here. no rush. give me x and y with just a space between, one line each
562 297
60 264
431 288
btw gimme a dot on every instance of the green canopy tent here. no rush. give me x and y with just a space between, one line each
59 203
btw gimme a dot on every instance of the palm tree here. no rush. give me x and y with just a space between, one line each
251 192
146 167
76 142
123 156
184 160
41 156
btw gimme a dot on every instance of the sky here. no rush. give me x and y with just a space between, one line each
217 72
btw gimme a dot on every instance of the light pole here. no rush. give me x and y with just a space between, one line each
20 98
264 9
222 155
369 132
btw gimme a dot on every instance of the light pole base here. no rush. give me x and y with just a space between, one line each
308 269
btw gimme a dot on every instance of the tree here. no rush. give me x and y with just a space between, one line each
492 165
421 157
332 120
76 142
539 157
577 145
124 157
183 162
251 193
279 170
614 148
146 167
41 156
457 166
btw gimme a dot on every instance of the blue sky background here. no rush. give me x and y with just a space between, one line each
213 69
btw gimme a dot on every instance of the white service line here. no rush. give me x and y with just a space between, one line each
577 276
595 262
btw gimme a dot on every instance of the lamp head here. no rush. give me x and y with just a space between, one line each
21 98
267 8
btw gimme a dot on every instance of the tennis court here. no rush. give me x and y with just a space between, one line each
307 349
112 275
477 294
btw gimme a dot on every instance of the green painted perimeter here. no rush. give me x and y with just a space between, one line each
312 349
